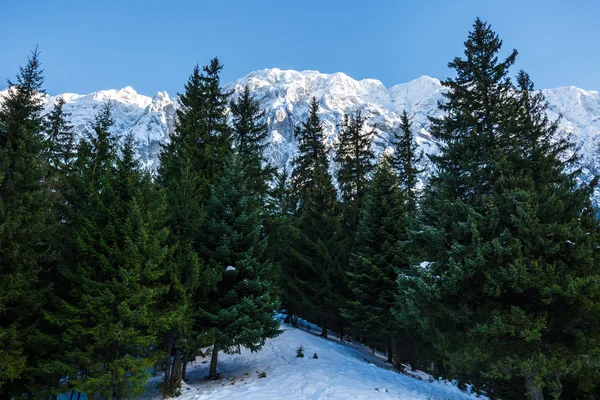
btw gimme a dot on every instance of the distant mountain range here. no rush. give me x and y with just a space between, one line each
285 95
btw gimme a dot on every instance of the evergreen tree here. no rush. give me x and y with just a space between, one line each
26 229
191 164
240 310
61 136
313 155
312 290
405 159
109 277
510 292
313 267
379 255
279 223
355 161
249 140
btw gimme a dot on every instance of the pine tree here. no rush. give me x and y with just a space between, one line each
26 229
511 282
313 155
110 277
62 138
314 268
312 290
191 164
249 139
355 161
405 159
240 310
379 255
279 223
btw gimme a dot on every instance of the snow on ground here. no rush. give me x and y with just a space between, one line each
342 371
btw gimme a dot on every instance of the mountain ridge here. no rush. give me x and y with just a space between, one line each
285 95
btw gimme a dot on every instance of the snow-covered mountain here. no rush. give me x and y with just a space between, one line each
285 95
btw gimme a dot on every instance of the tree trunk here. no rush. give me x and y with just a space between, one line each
168 362
213 363
441 368
533 387
175 378
72 394
324 331
184 369
78 395
390 351
4 395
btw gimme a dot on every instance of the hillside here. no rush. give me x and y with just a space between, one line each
341 372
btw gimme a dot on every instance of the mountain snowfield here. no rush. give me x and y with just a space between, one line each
285 96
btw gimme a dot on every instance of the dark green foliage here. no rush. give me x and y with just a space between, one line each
109 282
313 270
190 165
379 256
355 162
313 289
279 223
300 352
405 159
62 141
26 231
312 157
250 141
240 311
510 296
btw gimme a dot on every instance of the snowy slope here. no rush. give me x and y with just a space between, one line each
341 372
285 95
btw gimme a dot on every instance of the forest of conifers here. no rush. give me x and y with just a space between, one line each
486 272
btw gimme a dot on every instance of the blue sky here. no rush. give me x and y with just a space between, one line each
153 45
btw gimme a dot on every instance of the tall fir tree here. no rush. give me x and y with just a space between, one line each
354 158
511 282
314 268
26 229
379 256
250 141
405 159
110 275
240 310
191 164
62 138
313 155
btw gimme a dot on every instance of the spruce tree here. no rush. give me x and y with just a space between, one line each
355 162
62 138
405 158
26 229
510 283
313 155
191 164
279 223
240 310
249 140
314 268
110 277
379 256
313 290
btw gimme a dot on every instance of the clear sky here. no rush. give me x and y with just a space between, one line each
153 45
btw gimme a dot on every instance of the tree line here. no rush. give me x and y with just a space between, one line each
488 273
